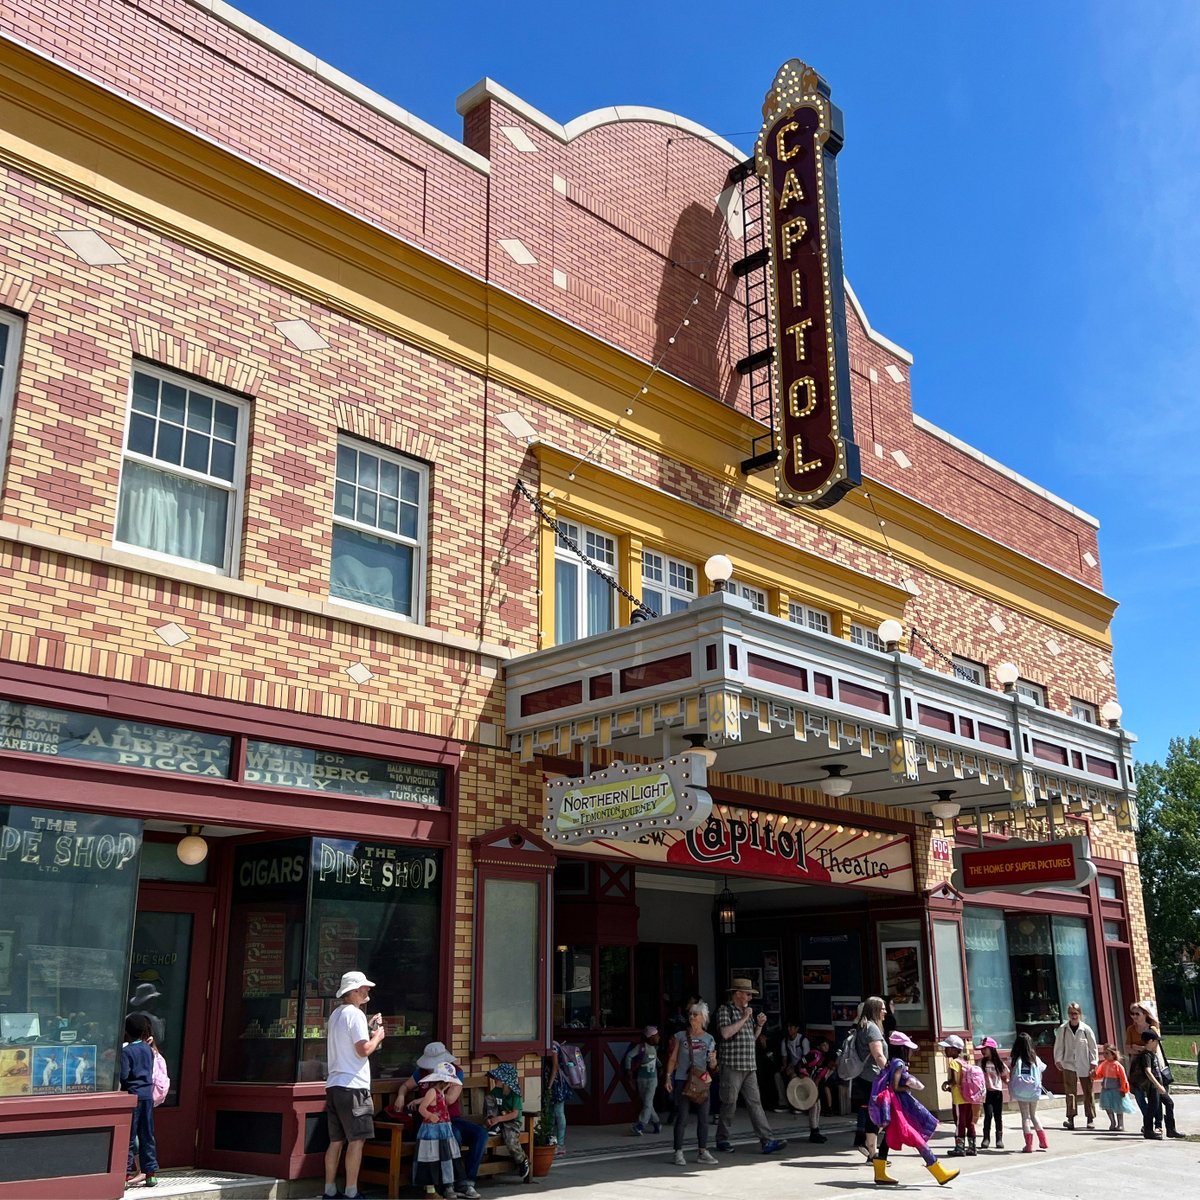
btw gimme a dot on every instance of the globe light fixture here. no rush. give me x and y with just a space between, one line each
835 783
1007 674
1111 712
944 808
718 570
192 849
890 632
697 747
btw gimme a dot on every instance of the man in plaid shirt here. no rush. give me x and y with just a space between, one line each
738 1028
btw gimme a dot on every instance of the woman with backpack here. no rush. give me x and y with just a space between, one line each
860 1061
557 1091
1025 1087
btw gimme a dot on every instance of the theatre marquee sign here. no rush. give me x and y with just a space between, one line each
622 801
800 137
1020 866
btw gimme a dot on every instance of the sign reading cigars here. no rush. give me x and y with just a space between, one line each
1020 866
794 155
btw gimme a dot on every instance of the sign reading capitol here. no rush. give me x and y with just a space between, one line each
794 155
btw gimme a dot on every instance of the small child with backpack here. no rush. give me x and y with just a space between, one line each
1025 1087
995 1074
562 1072
641 1075
967 1088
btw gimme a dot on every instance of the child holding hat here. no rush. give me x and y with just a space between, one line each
438 1160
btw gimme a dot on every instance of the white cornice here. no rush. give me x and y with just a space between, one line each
342 82
487 89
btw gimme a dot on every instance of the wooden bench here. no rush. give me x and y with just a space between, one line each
387 1159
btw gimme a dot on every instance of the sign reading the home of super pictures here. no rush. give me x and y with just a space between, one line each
800 138
1020 866
623 801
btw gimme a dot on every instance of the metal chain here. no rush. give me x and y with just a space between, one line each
958 671
574 546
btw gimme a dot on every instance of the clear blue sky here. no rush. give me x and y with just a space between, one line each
1020 194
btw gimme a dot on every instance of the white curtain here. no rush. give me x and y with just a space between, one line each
173 515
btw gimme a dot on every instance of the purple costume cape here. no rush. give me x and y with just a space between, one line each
912 1117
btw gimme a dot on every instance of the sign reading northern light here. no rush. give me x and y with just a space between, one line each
800 138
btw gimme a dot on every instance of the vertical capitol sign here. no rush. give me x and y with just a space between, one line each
794 155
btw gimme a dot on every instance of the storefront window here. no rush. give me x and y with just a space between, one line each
985 938
303 912
68 890
1073 962
616 995
573 987
902 970
1113 931
509 950
951 995
1034 978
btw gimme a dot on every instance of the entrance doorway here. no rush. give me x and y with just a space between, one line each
168 981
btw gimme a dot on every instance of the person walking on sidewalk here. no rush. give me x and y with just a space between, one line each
1025 1087
1114 1088
869 1049
1151 1093
641 1077
692 1049
995 1074
738 1027
1076 1055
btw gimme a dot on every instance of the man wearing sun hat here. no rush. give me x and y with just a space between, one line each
738 1028
351 1040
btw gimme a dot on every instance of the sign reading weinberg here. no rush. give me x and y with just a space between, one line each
624 801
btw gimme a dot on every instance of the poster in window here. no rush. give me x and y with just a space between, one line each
262 968
48 1069
844 1009
770 966
817 974
16 1071
901 962
79 1071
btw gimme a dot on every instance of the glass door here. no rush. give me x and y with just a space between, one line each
168 981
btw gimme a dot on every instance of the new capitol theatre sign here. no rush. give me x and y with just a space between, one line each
794 155
1020 866
621 801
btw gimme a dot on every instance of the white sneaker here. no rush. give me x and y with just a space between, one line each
679 1160
707 1159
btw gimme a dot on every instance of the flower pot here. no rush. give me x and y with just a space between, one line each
542 1157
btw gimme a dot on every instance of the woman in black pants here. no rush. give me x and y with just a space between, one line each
868 1044
692 1047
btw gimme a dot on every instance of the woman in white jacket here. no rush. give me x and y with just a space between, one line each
1076 1055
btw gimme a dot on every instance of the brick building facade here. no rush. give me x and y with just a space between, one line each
214 238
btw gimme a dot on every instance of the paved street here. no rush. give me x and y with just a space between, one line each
1077 1164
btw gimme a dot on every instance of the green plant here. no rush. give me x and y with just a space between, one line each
543 1131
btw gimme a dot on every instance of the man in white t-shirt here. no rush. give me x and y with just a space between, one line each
351 1039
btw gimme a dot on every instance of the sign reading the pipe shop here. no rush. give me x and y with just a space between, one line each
771 845
1020 866
623 801
799 141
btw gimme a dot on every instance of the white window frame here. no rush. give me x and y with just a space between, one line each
756 597
1085 710
8 382
817 620
968 670
419 544
579 534
236 487
862 635
1033 692
672 571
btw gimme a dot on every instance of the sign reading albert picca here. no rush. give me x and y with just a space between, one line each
794 155
624 801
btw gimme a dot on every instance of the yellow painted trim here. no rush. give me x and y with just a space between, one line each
90 142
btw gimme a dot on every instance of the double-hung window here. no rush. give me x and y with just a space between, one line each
181 477
969 670
10 350
667 585
860 635
1083 710
1032 691
380 517
756 596
584 600
815 619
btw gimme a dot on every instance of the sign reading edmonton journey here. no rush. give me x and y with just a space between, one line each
773 845
343 774
60 733
623 800
1020 866
800 138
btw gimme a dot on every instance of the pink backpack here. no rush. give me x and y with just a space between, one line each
160 1085
972 1084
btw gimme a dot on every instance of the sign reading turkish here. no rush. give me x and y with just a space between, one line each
775 846
1021 866
800 138
623 800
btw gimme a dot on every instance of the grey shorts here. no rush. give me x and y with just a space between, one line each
350 1114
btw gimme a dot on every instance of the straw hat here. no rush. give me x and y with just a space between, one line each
801 1093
